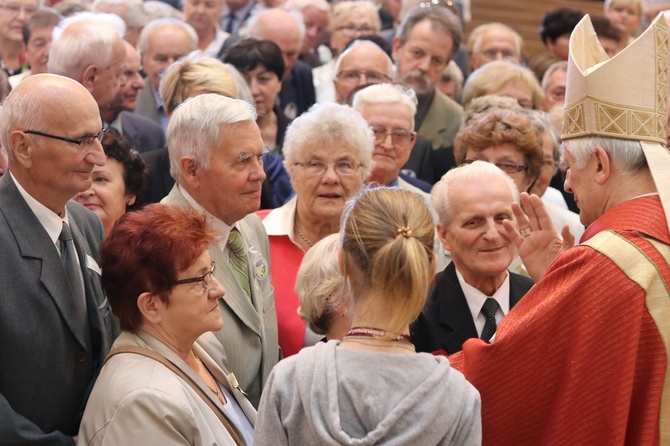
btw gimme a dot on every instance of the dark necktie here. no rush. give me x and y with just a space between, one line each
69 258
231 24
239 260
489 309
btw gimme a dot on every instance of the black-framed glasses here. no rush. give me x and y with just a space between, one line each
508 167
205 279
86 141
317 168
399 137
371 77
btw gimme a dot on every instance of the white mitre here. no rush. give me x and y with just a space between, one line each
624 97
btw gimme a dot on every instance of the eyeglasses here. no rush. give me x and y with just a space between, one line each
399 137
353 29
206 279
86 141
318 168
15 8
508 167
371 77
492 54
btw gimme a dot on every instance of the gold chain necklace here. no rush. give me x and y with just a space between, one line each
302 236
216 390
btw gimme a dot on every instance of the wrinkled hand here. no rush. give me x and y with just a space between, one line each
541 246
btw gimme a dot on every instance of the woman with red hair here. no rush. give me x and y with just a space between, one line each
164 382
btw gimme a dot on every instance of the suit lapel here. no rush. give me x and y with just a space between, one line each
157 346
221 377
435 123
517 289
454 313
34 242
235 296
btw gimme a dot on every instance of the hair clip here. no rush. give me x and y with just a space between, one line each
404 231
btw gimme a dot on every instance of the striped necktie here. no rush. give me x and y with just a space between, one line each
73 272
489 309
239 260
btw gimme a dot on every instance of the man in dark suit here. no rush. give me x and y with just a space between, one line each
55 324
287 30
472 295
142 133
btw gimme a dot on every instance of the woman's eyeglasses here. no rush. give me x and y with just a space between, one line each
206 278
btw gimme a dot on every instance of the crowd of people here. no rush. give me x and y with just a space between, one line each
307 222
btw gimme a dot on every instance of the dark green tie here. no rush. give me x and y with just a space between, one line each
239 260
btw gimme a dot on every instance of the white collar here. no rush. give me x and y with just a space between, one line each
218 225
51 221
281 221
476 298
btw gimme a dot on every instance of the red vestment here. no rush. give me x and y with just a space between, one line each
579 361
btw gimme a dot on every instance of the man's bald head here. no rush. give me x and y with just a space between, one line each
93 53
361 64
284 28
51 153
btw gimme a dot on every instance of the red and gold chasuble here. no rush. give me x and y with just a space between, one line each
583 358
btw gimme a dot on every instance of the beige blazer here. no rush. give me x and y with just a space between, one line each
139 401
249 333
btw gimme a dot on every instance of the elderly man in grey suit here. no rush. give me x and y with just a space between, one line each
216 154
55 325
472 295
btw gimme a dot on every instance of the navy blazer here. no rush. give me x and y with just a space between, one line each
446 321
49 358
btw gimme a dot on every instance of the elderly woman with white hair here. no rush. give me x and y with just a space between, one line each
328 155
348 20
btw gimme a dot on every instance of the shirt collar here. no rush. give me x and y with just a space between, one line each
476 298
218 225
51 221
281 221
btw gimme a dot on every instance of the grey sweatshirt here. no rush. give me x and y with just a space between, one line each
330 395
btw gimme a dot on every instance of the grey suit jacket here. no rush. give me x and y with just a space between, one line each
47 359
249 333
446 321
144 134
138 401
146 105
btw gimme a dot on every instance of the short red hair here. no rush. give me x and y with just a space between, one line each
145 251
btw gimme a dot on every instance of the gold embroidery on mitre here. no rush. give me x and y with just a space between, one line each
643 118
573 119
